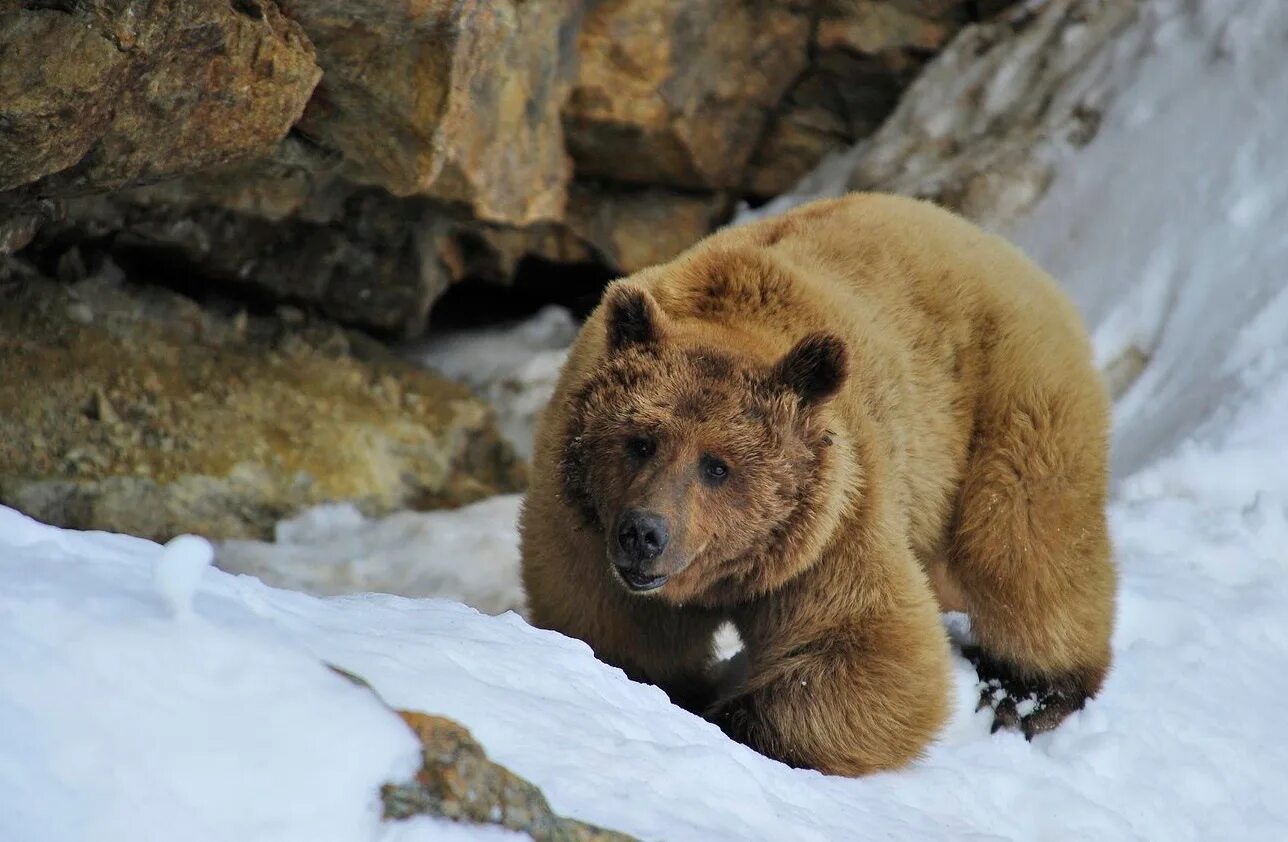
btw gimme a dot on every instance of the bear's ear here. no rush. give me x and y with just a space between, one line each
633 317
814 368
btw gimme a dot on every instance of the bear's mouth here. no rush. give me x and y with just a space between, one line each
641 582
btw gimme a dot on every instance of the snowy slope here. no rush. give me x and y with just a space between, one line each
1171 233
470 554
120 720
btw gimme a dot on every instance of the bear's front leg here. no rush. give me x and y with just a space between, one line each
571 590
846 695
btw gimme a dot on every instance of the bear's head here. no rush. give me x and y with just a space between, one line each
710 471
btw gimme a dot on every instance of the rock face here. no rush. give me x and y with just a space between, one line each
458 100
355 254
96 95
677 94
453 105
984 126
981 130
140 411
458 782
359 157
631 229
863 53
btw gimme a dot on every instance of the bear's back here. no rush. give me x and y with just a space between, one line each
878 256
930 306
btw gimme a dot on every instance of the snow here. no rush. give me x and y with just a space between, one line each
1170 234
119 721
513 366
429 829
470 554
178 571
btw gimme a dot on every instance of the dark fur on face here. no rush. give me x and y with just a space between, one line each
731 454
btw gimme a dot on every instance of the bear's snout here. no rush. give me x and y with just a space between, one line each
642 536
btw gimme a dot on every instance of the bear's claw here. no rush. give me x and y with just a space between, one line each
734 717
1031 705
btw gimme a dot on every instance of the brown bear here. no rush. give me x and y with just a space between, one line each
827 427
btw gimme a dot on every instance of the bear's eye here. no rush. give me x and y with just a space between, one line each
640 447
714 471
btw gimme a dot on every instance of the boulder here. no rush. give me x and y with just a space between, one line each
455 100
436 127
458 100
156 416
96 95
630 229
863 53
356 255
678 94
457 781
617 228
286 228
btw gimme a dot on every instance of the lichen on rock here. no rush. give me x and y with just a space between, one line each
677 94
115 93
139 411
457 781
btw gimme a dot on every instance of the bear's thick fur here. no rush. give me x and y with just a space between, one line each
827 427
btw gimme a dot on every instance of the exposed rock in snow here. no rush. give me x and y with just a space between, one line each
458 782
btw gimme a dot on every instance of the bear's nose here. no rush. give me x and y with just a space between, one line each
642 535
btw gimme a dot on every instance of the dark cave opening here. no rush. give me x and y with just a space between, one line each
538 282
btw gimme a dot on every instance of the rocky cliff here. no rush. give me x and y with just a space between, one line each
361 157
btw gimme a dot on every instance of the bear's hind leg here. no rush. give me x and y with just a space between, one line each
1030 552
